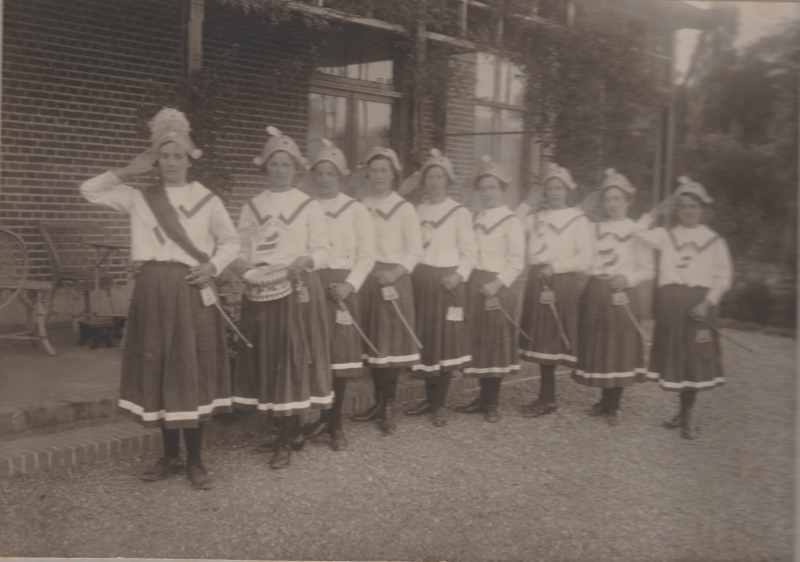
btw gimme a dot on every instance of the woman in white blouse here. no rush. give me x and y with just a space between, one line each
610 346
440 292
501 249
695 270
352 256
387 300
559 253
175 370
288 372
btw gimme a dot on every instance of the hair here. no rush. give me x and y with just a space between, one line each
629 197
297 165
395 173
429 168
338 171
503 185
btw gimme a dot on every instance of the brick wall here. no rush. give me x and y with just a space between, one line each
461 119
74 76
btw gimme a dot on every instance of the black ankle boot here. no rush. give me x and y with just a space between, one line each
420 409
163 468
474 407
282 458
312 430
198 477
338 440
539 408
387 423
370 413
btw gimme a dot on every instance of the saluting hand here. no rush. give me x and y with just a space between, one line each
451 282
665 207
140 165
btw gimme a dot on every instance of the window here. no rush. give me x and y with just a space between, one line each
500 88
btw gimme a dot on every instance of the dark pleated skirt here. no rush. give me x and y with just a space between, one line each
610 349
494 339
347 357
538 320
445 343
383 325
175 364
686 353
288 371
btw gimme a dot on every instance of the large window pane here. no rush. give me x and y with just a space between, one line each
517 86
374 126
485 76
327 119
509 153
379 71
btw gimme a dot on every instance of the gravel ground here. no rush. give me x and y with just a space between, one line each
563 488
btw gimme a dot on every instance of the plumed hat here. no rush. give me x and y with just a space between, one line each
277 142
388 153
561 173
612 178
171 125
329 153
489 167
439 159
687 186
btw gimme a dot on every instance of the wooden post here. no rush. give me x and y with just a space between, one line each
417 104
194 35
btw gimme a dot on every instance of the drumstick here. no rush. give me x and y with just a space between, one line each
359 330
511 320
718 331
636 323
227 318
405 323
558 322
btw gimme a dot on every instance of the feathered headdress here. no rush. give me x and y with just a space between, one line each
686 185
614 179
171 125
329 153
439 159
277 142
489 167
561 173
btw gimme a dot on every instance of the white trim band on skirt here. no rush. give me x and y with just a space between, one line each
173 416
687 384
397 359
284 407
636 373
445 363
551 356
346 366
488 370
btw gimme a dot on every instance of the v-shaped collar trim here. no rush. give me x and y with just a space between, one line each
566 225
489 230
392 199
601 235
712 237
287 221
348 201
196 191
455 206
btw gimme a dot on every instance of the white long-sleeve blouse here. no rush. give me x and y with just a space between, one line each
448 239
398 238
561 239
501 243
351 236
618 251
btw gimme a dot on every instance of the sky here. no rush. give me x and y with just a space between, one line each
756 20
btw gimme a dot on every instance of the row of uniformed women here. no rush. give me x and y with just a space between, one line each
367 257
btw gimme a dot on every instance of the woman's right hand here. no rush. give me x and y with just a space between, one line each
491 288
140 165
665 207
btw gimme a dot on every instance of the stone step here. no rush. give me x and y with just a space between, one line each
121 438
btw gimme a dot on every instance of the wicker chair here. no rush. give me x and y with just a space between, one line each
74 263
14 283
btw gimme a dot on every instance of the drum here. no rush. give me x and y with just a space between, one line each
267 283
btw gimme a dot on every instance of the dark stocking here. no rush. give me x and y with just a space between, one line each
440 395
687 399
172 442
390 377
287 427
492 391
378 382
547 391
335 416
484 394
611 396
193 437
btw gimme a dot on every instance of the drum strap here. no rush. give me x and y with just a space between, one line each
167 217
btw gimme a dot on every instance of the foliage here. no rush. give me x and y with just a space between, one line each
751 301
207 97
738 135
